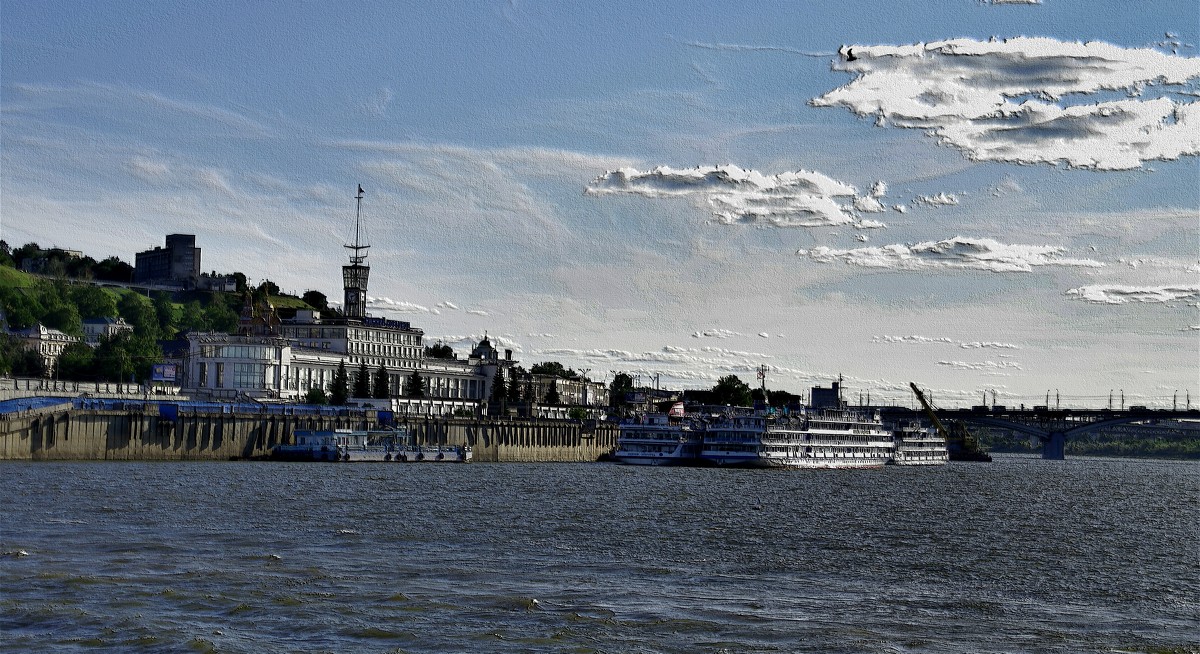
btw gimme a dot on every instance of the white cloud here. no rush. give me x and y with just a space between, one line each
939 200
910 339
1116 294
790 199
477 312
1002 100
398 306
447 305
147 169
868 204
958 252
979 345
716 333
915 339
980 365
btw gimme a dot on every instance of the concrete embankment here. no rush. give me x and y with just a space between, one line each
66 434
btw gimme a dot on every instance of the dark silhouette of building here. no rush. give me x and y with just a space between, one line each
178 262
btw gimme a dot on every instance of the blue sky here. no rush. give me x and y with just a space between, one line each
961 194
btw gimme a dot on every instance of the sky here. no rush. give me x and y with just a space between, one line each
993 199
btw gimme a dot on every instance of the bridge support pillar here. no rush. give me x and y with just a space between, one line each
1054 447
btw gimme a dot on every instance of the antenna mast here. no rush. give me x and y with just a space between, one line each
358 257
354 276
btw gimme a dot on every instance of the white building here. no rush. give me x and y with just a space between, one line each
284 360
95 329
47 342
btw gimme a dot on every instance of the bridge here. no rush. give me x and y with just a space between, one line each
1051 426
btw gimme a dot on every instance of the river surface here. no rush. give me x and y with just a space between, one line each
1021 555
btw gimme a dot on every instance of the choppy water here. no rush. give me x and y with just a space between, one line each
1018 556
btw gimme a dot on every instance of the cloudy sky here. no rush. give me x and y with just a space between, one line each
973 195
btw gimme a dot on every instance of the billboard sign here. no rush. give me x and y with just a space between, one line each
163 372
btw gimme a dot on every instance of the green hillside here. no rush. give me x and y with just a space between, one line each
13 278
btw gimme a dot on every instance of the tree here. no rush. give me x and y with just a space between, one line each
168 316
499 392
93 301
77 362
415 386
192 318
383 384
552 394
362 381
22 306
28 363
113 361
315 396
514 384
551 368
341 387
221 318
316 300
621 384
114 270
440 351
731 390
139 312
269 288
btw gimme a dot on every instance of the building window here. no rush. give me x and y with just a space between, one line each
203 374
248 375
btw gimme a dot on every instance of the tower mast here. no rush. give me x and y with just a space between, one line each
354 276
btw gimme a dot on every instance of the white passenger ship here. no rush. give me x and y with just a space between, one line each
659 439
825 438
356 445
919 446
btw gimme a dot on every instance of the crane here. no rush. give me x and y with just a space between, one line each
962 445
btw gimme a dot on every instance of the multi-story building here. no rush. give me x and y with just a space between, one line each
47 342
95 329
286 359
177 263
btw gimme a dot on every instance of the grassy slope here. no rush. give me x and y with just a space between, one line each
13 278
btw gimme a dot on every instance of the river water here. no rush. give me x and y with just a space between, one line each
1021 555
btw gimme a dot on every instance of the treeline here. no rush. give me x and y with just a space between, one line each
1168 444
126 356
57 262
67 296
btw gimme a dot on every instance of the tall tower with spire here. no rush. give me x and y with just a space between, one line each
354 276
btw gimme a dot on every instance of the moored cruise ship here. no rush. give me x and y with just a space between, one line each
659 439
919 446
820 438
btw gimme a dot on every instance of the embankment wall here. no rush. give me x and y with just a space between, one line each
98 435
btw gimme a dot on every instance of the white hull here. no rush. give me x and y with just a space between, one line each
648 460
831 439
829 462
918 446
657 440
